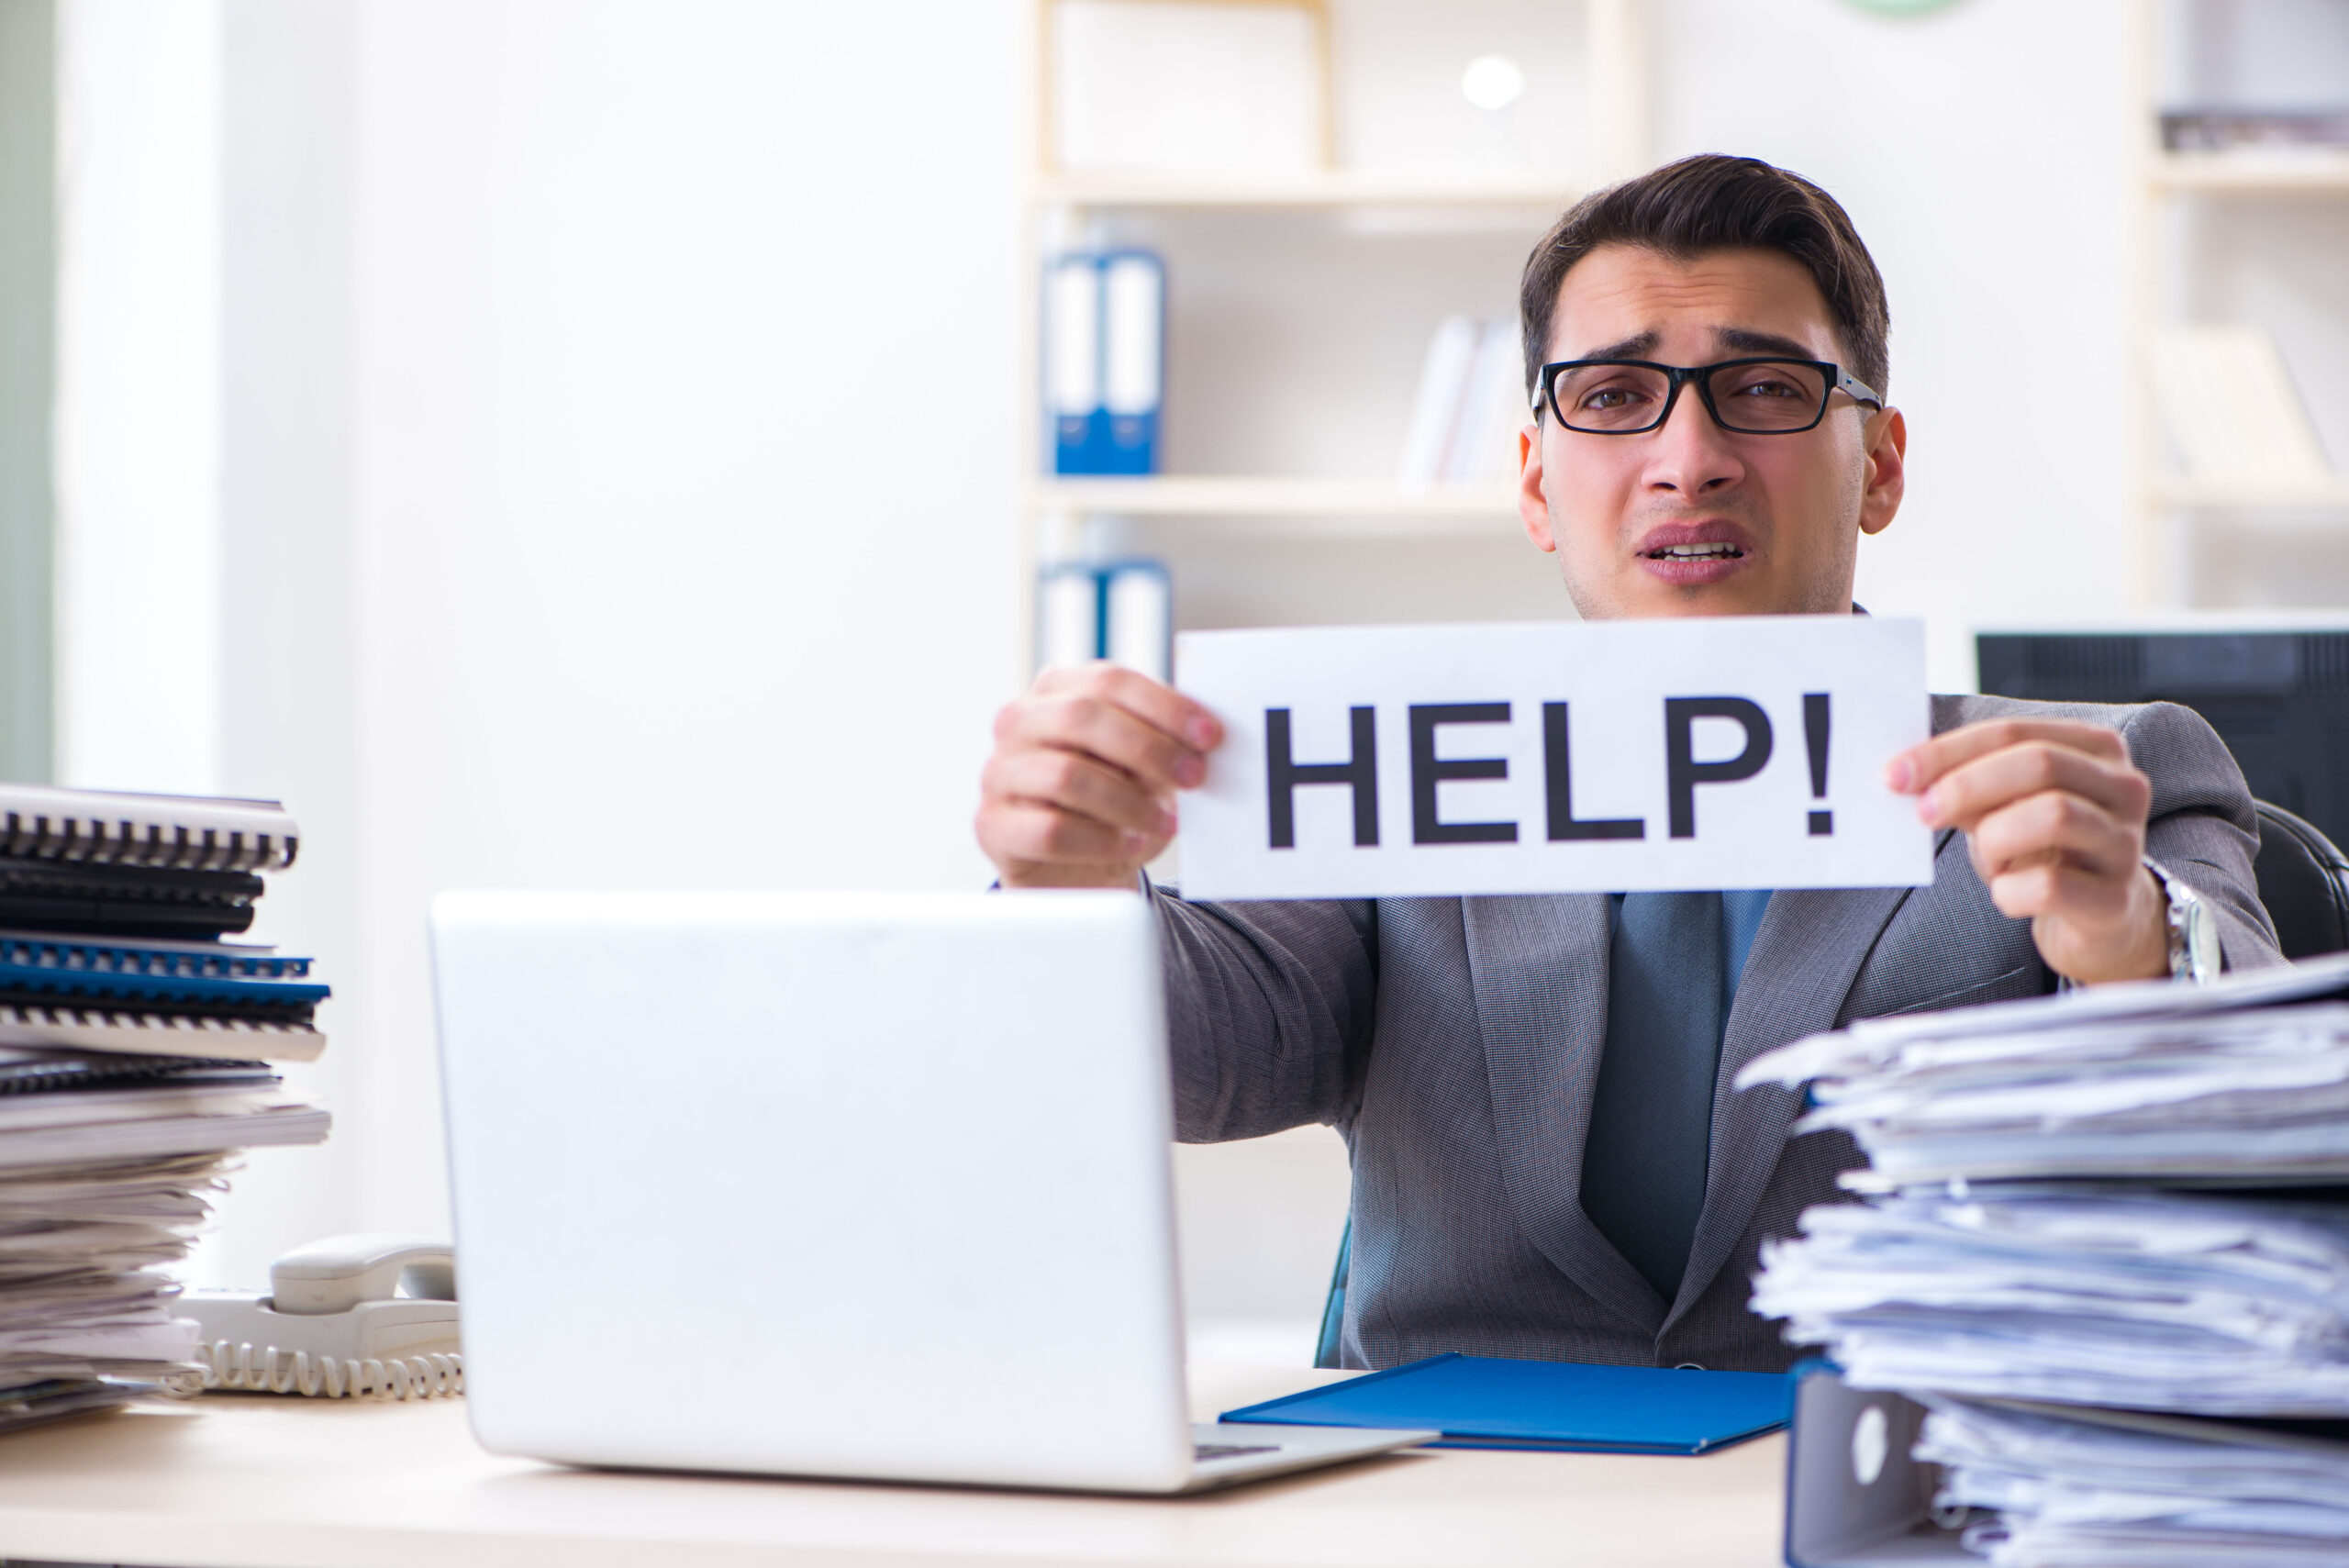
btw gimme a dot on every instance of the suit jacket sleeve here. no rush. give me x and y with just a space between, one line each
2201 826
1268 1004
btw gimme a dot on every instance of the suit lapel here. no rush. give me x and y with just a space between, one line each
1806 955
1539 966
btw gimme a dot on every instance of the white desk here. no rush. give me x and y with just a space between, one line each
246 1481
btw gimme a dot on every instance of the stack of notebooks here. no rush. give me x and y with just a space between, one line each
2104 1239
2232 411
1470 405
133 1052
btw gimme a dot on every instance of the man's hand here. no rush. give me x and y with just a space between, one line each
1080 792
2053 813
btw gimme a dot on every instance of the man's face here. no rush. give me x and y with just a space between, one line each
1692 519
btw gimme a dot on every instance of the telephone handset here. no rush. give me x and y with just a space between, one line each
335 1323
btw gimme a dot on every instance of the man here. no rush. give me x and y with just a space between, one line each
1547 1159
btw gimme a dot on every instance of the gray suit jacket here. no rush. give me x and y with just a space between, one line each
1455 1043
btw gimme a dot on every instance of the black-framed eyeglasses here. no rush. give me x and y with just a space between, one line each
1752 397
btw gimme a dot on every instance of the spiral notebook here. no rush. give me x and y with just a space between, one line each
39 972
126 900
147 1032
157 998
175 831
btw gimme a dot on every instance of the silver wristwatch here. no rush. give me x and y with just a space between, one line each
2193 931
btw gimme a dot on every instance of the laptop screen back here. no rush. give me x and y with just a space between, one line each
849 1184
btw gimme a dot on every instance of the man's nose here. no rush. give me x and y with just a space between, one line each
1693 456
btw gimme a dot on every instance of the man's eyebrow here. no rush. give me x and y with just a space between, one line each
1746 343
1735 339
1637 348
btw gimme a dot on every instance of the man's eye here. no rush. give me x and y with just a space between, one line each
1770 389
1606 397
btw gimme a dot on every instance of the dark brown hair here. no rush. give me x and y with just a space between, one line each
1710 203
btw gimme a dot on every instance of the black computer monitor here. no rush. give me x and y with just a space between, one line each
2279 699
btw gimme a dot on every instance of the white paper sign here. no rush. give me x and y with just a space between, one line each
1601 756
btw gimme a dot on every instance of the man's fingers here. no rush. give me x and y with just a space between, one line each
2055 816
1964 795
2054 827
1080 790
1087 722
1914 771
2031 892
1070 781
1161 706
1020 831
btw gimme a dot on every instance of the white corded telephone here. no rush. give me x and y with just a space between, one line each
335 1323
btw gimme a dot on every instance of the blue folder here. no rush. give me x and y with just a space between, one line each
1482 1402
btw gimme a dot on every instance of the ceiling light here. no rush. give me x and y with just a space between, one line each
1492 82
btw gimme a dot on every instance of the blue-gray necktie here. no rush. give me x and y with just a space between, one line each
1672 973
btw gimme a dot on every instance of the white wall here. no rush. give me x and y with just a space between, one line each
137 459
685 464
288 716
549 445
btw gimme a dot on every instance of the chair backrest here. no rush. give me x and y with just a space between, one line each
1333 1312
2304 882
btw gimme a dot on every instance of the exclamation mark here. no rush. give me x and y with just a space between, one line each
1814 734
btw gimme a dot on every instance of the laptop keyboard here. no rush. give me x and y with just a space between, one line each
1231 1450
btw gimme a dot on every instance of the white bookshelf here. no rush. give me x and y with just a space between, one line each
2204 188
1502 211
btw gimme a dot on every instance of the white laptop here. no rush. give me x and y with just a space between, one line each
844 1184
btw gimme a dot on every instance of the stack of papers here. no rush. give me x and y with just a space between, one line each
133 1066
2102 1235
2083 1489
107 1167
2117 1296
2244 1081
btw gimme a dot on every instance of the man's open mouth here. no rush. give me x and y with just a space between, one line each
1697 553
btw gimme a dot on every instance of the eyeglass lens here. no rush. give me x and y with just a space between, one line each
1763 397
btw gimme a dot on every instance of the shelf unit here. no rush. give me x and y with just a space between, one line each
1067 208
2169 501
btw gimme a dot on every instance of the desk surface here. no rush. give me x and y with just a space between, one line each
256 1481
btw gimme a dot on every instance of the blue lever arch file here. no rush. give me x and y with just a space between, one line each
1484 1402
1104 338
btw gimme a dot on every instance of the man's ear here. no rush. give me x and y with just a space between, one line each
1886 477
1532 506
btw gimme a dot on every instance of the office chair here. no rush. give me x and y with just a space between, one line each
1334 1311
2303 880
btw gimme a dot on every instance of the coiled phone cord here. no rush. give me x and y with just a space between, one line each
267 1369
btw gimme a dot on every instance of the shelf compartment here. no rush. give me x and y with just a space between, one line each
1309 190
2330 495
2253 173
1187 496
